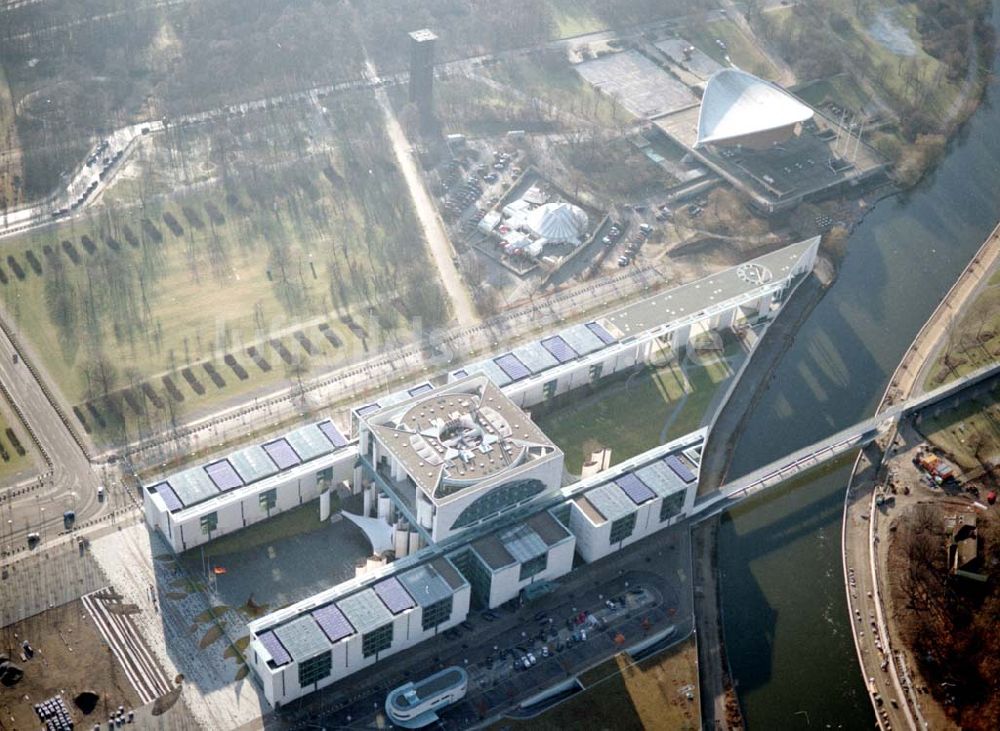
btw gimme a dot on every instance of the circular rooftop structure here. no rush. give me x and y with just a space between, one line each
738 108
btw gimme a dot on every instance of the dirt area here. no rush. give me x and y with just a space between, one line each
70 657
947 621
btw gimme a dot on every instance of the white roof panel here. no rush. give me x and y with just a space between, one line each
737 104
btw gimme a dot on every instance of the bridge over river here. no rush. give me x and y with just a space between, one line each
732 493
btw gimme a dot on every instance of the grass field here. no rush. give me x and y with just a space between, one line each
841 89
549 77
14 466
10 154
738 47
971 427
674 402
570 19
286 254
651 694
973 340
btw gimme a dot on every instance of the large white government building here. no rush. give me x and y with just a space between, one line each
464 497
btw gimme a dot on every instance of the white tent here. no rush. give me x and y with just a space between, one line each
558 223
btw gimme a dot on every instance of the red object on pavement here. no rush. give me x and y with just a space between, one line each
992 497
219 570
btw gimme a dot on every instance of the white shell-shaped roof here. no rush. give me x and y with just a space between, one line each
737 104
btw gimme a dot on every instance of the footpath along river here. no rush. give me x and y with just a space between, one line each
787 630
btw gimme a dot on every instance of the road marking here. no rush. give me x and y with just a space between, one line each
121 635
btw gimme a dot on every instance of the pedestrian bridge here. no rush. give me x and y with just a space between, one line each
852 438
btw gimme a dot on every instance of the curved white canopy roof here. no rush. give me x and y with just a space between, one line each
558 222
738 104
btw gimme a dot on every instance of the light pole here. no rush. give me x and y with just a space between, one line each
41 519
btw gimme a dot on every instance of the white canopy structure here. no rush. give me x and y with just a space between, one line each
558 223
739 108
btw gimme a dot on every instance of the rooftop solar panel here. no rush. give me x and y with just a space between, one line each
492 371
302 638
581 339
333 434
274 648
560 349
309 442
535 358
393 595
170 498
660 478
422 388
333 623
610 501
606 337
515 369
193 486
252 464
282 453
367 409
680 469
635 488
223 475
365 611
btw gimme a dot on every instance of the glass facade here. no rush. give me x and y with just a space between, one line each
315 669
376 640
671 506
534 566
209 522
268 499
622 528
436 613
498 500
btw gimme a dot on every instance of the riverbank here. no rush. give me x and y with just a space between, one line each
883 661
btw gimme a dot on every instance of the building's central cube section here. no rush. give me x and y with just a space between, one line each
459 455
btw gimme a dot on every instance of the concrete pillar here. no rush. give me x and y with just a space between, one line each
384 507
357 483
324 506
680 337
366 511
764 306
401 539
727 318
416 543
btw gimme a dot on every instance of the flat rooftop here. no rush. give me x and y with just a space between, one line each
332 616
455 437
248 466
695 297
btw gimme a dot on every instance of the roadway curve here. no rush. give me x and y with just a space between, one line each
67 481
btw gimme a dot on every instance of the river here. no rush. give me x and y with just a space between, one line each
785 615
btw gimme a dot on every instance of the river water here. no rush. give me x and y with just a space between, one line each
785 614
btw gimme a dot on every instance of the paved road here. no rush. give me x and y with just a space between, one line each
441 251
68 480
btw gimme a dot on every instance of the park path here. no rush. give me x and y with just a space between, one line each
442 252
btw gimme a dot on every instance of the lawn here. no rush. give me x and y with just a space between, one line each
973 341
10 159
620 694
739 48
674 402
286 253
14 465
571 19
972 427
549 77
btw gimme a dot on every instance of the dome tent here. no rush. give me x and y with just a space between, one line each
558 223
